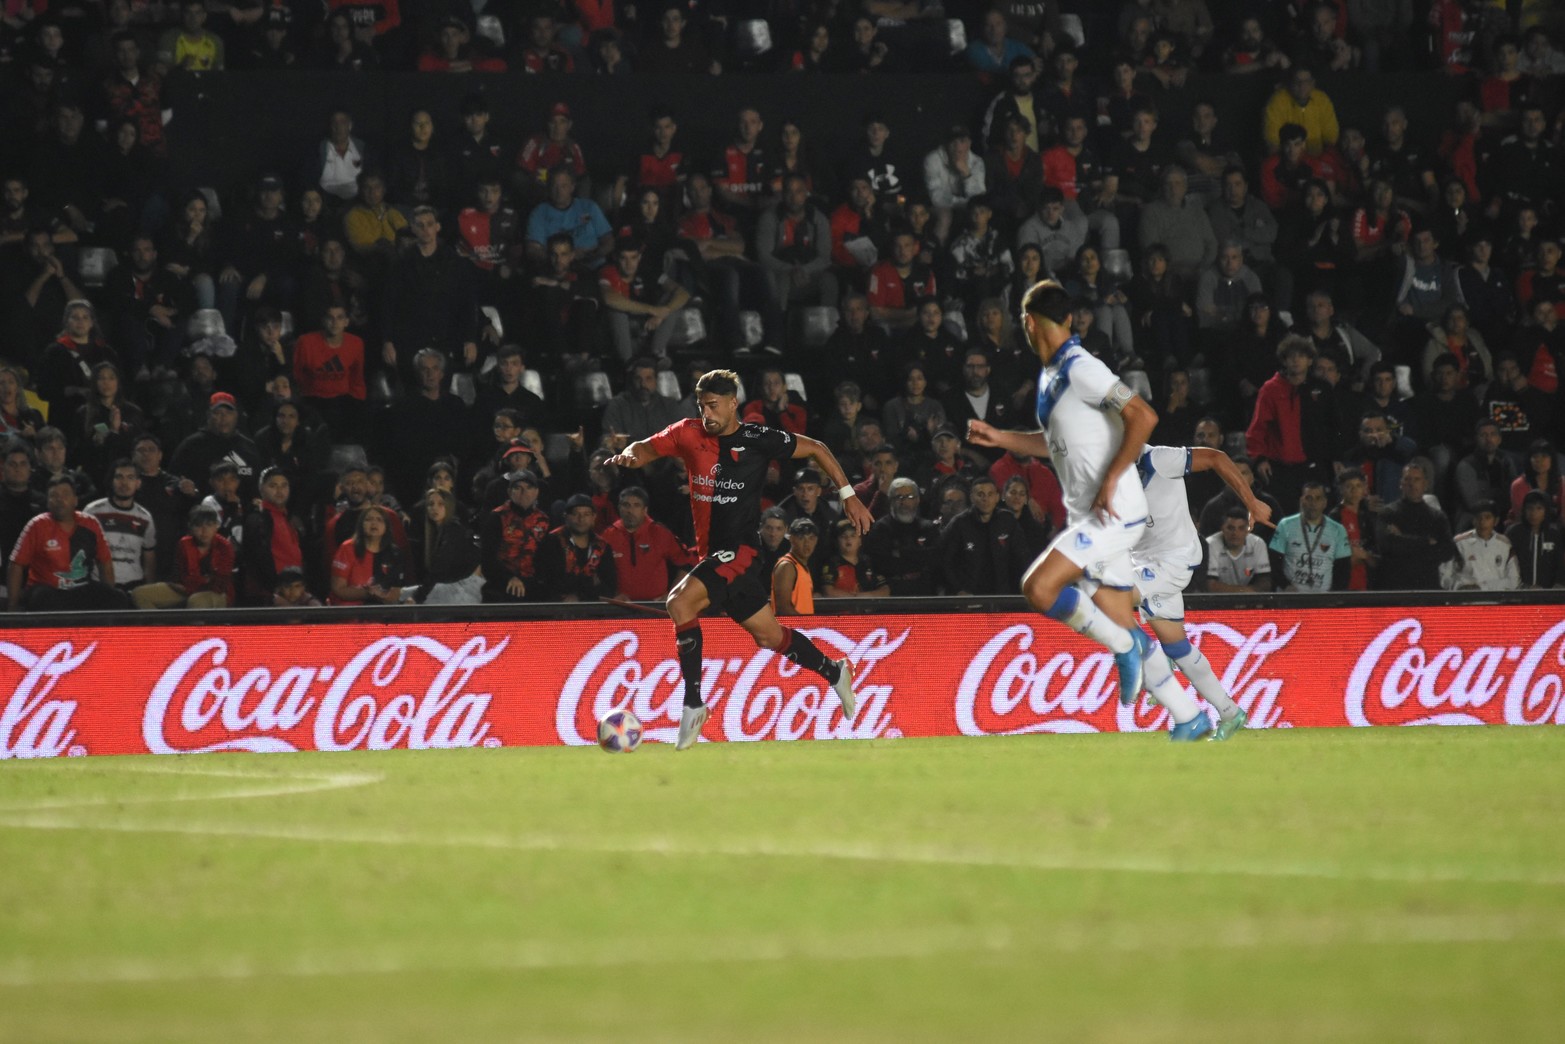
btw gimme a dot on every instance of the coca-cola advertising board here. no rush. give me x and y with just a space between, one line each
165 690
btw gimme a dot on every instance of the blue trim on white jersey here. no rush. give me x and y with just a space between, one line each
1050 392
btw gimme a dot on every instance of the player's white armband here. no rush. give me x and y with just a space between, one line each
1118 397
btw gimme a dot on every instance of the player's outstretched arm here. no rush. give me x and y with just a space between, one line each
826 460
1022 443
1204 459
636 455
1140 418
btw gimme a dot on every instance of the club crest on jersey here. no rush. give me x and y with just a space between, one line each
1083 540
734 452
1147 574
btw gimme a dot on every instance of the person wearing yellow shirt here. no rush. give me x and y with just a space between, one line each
372 227
191 47
1299 102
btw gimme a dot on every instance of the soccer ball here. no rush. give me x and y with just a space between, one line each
619 732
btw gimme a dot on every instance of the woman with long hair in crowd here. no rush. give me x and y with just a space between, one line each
1029 270
187 250
65 370
448 555
289 445
1031 520
1540 474
17 418
912 417
106 425
1160 311
367 568
1093 284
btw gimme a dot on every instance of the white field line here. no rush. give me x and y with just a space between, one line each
1061 939
767 849
278 785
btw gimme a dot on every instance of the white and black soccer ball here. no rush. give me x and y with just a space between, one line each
619 732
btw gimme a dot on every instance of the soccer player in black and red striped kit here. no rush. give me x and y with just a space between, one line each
727 461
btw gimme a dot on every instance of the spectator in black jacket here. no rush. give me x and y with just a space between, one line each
147 308
272 539
574 563
905 546
429 424
447 553
1538 541
429 298
981 550
1412 537
220 440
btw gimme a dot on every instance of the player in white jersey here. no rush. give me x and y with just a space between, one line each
1167 557
1093 428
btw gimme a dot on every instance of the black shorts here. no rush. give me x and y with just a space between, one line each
735 581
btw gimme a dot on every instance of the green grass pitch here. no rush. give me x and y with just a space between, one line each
1308 885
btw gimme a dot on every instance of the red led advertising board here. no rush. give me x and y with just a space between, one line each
132 690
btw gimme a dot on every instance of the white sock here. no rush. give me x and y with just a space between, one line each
1092 622
1161 683
1199 670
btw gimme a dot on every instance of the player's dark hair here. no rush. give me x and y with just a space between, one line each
1049 300
718 382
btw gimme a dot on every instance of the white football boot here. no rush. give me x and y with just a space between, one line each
690 721
844 688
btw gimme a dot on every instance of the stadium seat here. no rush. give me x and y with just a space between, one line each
94 264
493 315
533 382
205 322
795 384
1117 264
592 389
287 321
818 323
1136 381
463 387
381 388
1070 25
752 38
557 449
1200 384
956 322
751 329
491 29
689 328
668 384
956 33
345 454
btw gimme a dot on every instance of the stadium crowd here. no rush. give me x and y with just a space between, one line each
397 376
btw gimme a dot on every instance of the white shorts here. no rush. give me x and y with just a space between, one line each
1102 550
1162 583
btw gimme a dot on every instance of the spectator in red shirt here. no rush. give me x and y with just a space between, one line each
896 286
367 570
647 554
553 148
204 564
542 54
774 407
328 372
453 52
52 564
1043 487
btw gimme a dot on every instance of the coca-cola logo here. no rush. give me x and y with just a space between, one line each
202 704
32 724
1397 682
762 697
1009 688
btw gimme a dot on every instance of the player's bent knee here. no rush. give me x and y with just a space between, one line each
1040 591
